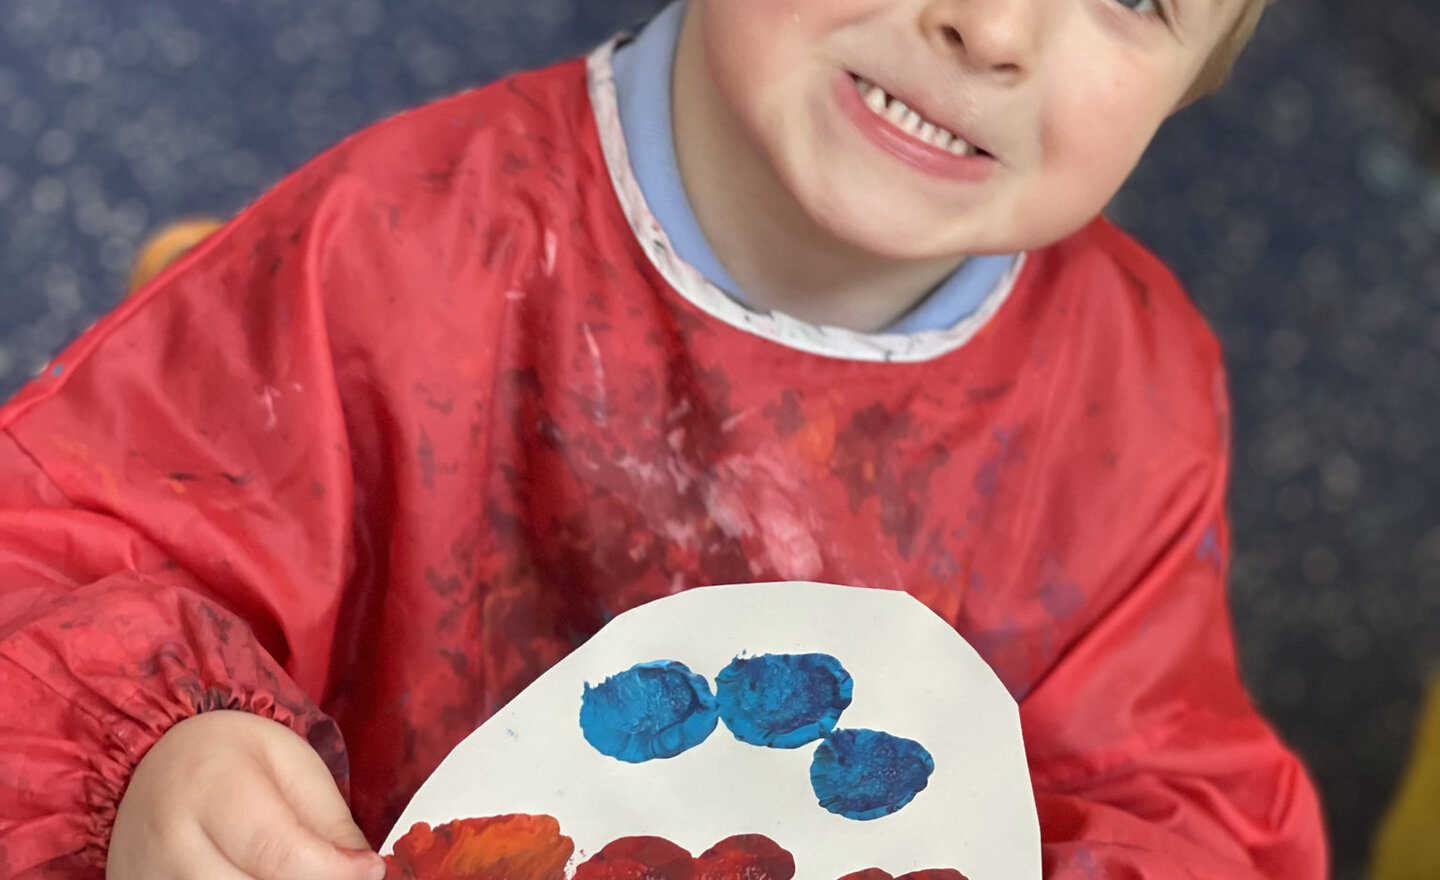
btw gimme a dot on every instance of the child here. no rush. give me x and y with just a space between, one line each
374 456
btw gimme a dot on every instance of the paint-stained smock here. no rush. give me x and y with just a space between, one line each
418 422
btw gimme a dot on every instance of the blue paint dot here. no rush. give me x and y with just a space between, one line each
57 370
866 774
652 710
783 700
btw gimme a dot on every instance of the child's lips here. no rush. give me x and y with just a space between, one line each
910 142
923 108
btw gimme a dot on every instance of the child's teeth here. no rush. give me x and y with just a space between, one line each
875 98
909 121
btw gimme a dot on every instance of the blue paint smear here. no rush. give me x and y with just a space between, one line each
652 710
783 700
866 774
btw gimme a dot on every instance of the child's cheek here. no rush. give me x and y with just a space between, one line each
1092 136
746 35
747 59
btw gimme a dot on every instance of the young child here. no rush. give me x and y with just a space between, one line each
371 458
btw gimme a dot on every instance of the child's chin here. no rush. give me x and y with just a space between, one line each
901 239
892 228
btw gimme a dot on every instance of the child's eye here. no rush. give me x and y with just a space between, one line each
1143 7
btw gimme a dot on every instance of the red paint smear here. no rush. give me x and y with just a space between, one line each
496 848
745 857
927 874
638 858
523 847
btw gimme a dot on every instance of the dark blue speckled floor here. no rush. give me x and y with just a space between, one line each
1291 206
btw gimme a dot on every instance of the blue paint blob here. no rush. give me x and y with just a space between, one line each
652 710
866 774
783 700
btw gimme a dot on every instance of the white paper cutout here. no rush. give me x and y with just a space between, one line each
914 677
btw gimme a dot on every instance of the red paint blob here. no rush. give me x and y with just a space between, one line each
927 874
745 857
521 847
638 858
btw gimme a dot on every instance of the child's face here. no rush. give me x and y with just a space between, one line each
1059 96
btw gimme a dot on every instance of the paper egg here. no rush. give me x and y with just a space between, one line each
828 732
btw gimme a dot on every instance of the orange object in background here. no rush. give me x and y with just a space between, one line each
162 248
1408 845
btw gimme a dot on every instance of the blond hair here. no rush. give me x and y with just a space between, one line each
1217 68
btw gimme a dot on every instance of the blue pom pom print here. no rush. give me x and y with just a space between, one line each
866 774
650 711
783 701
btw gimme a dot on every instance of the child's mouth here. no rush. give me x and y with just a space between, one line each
910 122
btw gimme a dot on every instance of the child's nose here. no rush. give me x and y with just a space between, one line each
990 37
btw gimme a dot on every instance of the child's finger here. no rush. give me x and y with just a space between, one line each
274 844
179 854
216 866
311 792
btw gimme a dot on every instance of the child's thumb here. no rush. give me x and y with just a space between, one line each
311 792
324 812
271 840
320 808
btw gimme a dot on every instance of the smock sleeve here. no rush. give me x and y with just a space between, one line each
1147 756
175 521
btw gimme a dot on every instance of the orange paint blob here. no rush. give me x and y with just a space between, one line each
516 847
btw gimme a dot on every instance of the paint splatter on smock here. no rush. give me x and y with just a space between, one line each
783 700
866 774
652 710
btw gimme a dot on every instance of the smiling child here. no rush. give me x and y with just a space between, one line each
777 290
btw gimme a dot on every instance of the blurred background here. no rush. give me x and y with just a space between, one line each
1301 207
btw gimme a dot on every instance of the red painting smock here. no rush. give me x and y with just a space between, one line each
422 419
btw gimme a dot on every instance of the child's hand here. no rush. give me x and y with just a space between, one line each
231 795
